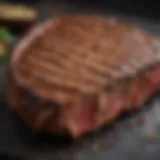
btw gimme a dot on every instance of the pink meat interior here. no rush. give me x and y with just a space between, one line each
81 122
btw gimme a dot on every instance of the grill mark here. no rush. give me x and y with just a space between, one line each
50 69
142 56
48 58
34 74
57 80
131 65
59 58
87 74
97 72
83 51
102 41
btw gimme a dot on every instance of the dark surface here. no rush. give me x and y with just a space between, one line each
17 141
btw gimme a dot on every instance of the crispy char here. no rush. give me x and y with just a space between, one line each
93 68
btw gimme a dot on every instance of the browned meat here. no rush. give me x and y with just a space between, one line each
76 73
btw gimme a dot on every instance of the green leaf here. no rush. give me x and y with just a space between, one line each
3 54
5 36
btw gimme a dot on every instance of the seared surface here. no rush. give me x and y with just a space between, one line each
83 53
92 68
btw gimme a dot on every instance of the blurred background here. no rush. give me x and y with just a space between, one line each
143 7
46 8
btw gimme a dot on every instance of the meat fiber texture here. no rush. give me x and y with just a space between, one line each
73 74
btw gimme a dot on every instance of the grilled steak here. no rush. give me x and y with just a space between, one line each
76 73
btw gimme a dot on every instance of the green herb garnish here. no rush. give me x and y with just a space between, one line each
6 39
3 54
5 36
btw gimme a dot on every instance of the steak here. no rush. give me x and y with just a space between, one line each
73 74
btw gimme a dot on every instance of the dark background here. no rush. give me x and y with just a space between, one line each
150 8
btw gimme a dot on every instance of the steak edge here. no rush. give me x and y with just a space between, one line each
76 73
